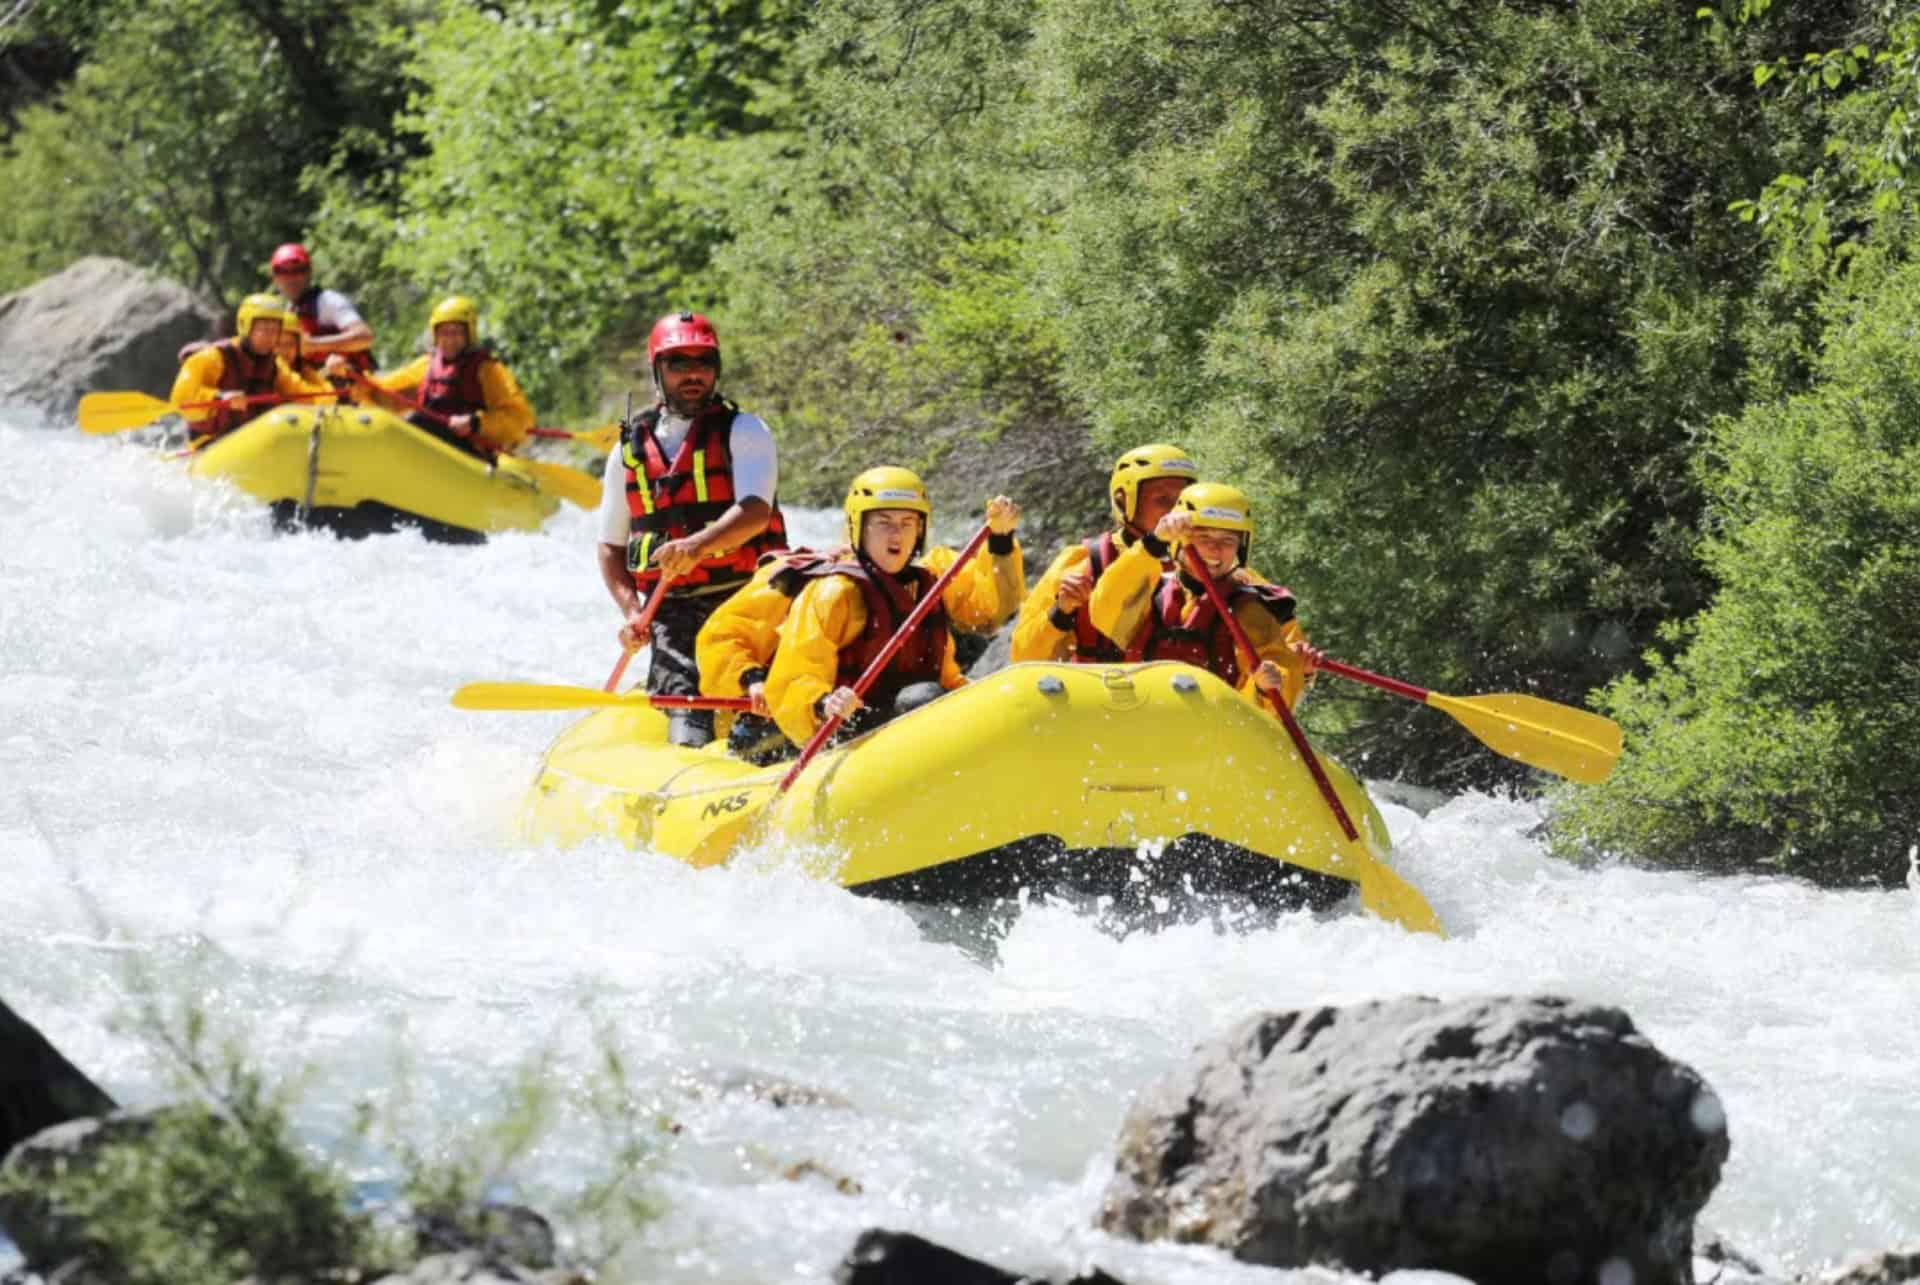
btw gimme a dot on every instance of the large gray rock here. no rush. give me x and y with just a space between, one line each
38 1086
1530 1140
102 324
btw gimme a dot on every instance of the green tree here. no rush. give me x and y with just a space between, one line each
1780 735
884 278
1452 288
577 167
180 143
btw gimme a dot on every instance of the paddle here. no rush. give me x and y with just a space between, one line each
1298 737
928 601
118 412
646 619
548 696
1573 743
601 438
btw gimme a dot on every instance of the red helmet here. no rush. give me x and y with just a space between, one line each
681 332
293 256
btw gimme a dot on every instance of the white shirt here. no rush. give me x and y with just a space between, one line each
756 468
334 312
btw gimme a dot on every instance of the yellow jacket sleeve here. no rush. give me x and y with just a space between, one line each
986 591
1034 637
950 675
741 634
289 382
403 380
828 614
1124 594
1274 641
509 415
198 381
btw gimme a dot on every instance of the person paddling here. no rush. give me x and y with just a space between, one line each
844 616
1154 614
462 391
698 510
235 369
1054 624
736 645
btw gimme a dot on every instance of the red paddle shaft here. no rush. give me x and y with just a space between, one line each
1287 720
646 618
880 662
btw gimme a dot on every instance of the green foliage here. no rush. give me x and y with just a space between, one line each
1451 288
1780 735
885 275
210 1192
1866 92
180 143
577 170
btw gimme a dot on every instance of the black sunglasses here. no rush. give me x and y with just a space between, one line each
680 363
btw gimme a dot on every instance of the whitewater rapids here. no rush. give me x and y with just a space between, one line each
229 771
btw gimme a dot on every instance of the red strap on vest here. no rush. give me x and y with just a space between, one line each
1090 646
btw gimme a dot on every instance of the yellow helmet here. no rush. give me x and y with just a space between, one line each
1144 464
457 307
258 307
1221 508
887 487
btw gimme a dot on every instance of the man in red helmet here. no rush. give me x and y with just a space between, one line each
329 323
697 510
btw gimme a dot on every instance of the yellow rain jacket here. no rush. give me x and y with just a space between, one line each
508 416
740 636
199 381
829 614
1123 598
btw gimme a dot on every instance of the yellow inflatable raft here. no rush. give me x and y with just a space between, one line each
359 470
1148 784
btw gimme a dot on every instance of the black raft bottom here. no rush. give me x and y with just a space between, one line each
1196 877
369 518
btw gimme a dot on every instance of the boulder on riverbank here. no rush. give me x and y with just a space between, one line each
1503 1140
100 324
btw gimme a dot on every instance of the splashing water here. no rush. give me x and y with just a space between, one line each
229 758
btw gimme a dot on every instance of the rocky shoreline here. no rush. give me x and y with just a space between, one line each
1498 1139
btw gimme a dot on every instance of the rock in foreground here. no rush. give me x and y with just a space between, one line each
1503 1140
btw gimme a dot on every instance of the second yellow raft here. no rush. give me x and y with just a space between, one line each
1144 784
359 470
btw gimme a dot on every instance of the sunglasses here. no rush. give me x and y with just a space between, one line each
680 364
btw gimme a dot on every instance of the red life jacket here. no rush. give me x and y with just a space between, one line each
670 501
240 372
307 309
1202 638
1089 646
920 658
453 387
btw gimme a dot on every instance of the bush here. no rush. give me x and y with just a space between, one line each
1779 734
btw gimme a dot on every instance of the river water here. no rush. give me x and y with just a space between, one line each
230 777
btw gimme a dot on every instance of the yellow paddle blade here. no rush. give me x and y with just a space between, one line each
601 438
527 696
118 412
565 481
1569 742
